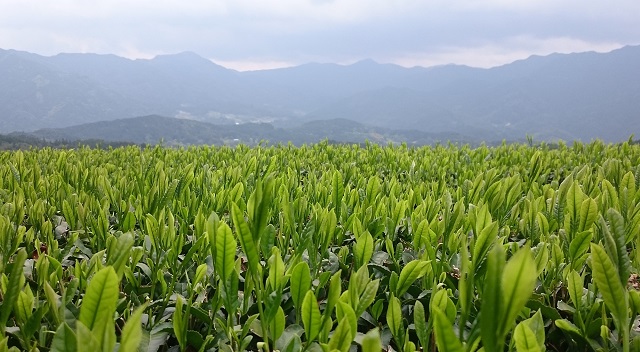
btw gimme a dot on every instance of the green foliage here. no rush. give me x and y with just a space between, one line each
446 340
321 247
99 304
311 317
132 331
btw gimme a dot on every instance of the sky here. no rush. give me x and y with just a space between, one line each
260 34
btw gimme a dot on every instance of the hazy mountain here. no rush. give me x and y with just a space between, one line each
569 96
35 94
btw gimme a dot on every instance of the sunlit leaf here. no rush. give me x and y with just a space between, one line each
446 339
64 339
518 282
606 277
300 283
246 239
99 304
277 324
420 323
341 339
526 339
12 291
132 331
371 341
225 251
363 249
492 311
394 316
409 274
311 318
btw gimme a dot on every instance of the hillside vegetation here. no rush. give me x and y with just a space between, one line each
18 141
182 132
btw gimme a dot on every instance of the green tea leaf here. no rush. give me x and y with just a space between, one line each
421 235
542 258
54 302
335 289
621 257
201 273
337 192
482 219
132 331
359 281
575 284
518 282
179 323
440 300
588 214
249 247
34 322
64 339
276 277
268 239
446 339
24 305
363 249
259 211
10 296
294 344
371 341
580 244
410 273
394 316
634 301
574 201
420 323
311 318
121 253
492 311
344 310
277 324
606 277
525 339
225 251
341 338
484 242
99 303
128 224
195 339
86 339
367 297
536 324
568 326
300 283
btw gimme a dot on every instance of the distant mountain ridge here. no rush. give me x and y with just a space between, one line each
559 96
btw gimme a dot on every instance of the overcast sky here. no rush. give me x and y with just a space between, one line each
255 34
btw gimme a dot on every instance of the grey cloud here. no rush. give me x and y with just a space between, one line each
316 30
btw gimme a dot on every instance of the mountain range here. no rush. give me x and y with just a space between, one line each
560 96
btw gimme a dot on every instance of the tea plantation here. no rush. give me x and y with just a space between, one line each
321 248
